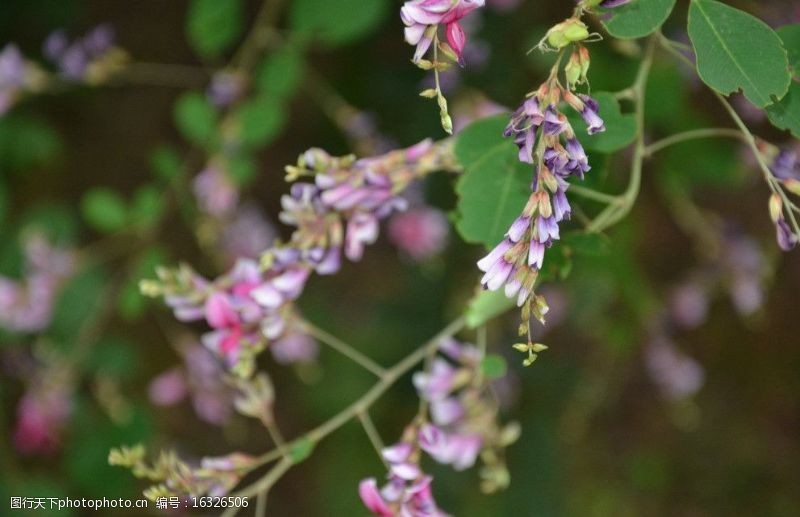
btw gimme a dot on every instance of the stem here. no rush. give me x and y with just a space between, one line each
163 74
372 433
588 193
366 401
262 485
692 134
613 213
258 39
261 504
344 349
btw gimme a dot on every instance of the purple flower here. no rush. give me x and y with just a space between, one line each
420 233
13 71
786 165
422 17
787 240
294 347
225 88
437 383
458 450
216 193
676 374
610 4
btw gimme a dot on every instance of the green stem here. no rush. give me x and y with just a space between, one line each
615 212
580 190
693 134
344 349
372 433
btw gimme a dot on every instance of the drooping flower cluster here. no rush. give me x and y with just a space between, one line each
422 19
459 425
785 169
27 305
547 140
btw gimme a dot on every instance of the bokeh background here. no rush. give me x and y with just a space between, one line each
671 384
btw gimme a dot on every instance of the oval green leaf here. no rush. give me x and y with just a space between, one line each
494 186
212 26
736 51
638 18
785 114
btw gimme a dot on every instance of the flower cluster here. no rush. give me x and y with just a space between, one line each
214 476
43 411
785 169
408 489
244 308
422 19
16 77
340 212
89 58
199 377
27 305
547 140
458 426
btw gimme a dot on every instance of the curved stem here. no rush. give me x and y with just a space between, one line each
693 134
592 194
614 212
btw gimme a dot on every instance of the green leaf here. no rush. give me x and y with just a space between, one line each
260 120
3 201
485 306
214 25
27 142
639 18
148 206
790 35
104 209
301 450
281 72
785 114
337 22
620 129
77 303
494 366
114 356
58 222
242 169
738 51
195 118
591 244
166 163
494 187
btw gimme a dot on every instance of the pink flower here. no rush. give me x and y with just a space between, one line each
215 192
422 17
40 419
458 450
419 233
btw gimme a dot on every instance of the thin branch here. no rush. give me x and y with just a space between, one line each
372 433
693 134
344 349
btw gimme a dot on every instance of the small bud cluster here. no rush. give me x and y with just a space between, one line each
422 19
785 169
214 477
546 140
459 426
91 59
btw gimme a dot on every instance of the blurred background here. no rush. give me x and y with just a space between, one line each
670 386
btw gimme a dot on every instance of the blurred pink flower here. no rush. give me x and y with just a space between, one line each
420 233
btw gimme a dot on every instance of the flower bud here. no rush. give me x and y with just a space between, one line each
430 93
792 185
539 347
573 70
522 347
575 30
775 208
